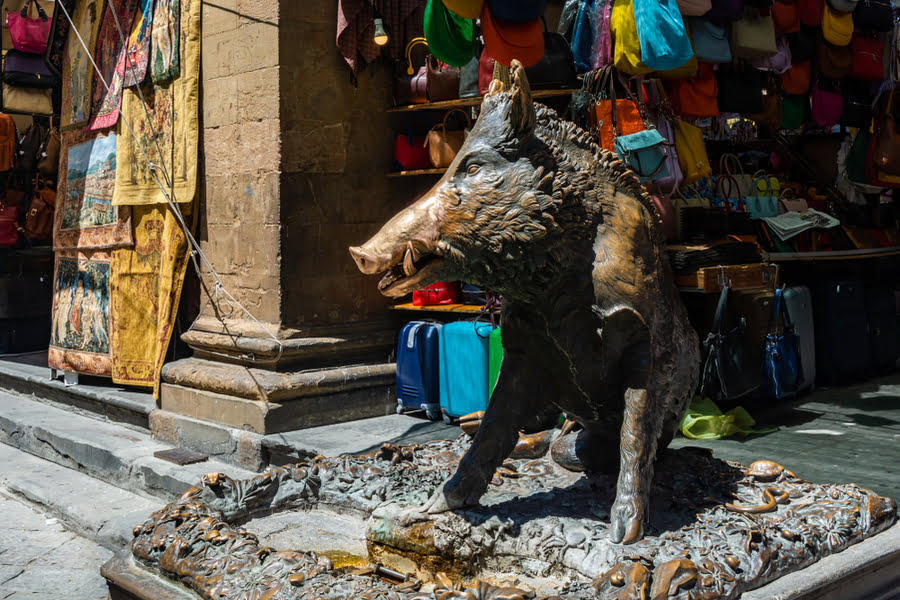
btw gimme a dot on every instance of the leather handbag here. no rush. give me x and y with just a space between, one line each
867 58
785 17
694 8
726 11
485 71
873 15
794 109
730 165
753 36
796 79
826 104
811 12
725 375
441 292
468 79
710 41
886 140
48 157
28 70
410 153
9 226
691 149
644 152
696 97
664 41
441 81
411 88
784 371
556 69
612 116
740 90
29 34
803 43
444 144
837 27
858 109
663 204
664 116
833 61
39 218
778 62
626 45
31 144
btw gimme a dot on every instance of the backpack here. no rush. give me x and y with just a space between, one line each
7 143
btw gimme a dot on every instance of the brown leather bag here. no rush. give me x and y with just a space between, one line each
832 61
48 157
442 82
442 144
887 140
39 219
410 87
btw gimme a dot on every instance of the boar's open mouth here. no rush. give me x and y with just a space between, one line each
412 271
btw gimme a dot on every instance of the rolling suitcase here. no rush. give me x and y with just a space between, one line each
884 336
464 349
418 361
798 300
842 337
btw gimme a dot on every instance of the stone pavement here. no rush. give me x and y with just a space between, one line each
40 560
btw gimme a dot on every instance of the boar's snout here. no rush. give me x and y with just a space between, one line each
368 262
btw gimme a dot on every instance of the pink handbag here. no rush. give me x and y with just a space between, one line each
826 106
28 34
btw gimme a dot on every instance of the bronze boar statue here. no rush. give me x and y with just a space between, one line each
592 322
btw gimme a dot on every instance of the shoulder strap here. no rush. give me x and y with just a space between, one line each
720 310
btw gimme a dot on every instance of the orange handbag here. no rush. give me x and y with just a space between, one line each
785 17
796 79
696 96
613 116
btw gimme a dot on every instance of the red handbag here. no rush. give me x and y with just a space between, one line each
9 226
485 72
811 12
442 292
410 153
28 34
696 96
796 79
786 17
868 58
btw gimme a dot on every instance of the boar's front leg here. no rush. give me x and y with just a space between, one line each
519 402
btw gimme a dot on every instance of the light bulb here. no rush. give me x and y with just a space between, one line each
381 35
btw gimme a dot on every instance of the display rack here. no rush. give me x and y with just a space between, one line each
474 101
466 309
417 172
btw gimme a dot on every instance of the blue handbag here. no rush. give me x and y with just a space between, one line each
645 152
664 40
710 41
581 36
765 205
781 356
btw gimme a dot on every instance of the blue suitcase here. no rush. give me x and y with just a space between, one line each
798 300
464 368
842 336
884 334
418 358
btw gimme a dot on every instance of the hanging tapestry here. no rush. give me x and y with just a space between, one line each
167 127
166 40
77 71
137 57
109 55
59 33
145 288
85 217
79 336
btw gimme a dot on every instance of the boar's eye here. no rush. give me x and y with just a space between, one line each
473 168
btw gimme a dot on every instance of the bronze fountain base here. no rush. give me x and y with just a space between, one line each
717 529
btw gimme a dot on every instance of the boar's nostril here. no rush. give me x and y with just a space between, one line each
363 260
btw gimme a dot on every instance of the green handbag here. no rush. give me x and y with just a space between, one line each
793 110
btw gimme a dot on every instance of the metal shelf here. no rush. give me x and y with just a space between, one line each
418 172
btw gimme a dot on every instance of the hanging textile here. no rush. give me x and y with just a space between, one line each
109 55
137 56
165 49
85 216
59 34
173 114
145 288
77 71
79 336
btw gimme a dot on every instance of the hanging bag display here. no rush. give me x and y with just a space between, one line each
867 63
710 41
781 358
29 70
837 27
626 42
691 149
663 37
696 97
753 36
443 144
625 119
29 34
645 153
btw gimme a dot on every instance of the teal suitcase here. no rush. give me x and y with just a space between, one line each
464 366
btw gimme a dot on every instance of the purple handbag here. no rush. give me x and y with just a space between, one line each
670 182
28 70
826 106
779 62
603 56
724 11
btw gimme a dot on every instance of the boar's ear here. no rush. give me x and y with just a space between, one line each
521 113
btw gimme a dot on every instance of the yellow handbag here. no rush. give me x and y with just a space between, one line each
691 150
626 44
837 27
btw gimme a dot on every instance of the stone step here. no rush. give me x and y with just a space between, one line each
116 454
29 374
96 510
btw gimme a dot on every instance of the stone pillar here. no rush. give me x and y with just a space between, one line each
295 155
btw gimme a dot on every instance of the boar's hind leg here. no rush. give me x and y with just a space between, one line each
519 402
637 449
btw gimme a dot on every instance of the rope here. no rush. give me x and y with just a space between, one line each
221 293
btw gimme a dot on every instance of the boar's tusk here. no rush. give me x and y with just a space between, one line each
409 264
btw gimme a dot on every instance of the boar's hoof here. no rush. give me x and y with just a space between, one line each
626 521
583 451
441 501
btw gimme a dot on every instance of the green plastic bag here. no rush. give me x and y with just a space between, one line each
495 357
704 421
